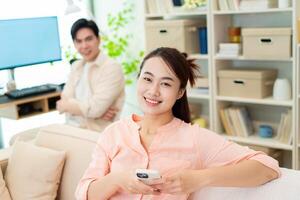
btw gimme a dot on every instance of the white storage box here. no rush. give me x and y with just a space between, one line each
267 43
179 34
247 83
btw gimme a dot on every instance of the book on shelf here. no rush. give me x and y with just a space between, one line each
225 122
223 5
233 4
257 4
236 121
284 131
229 49
229 5
159 6
246 120
229 119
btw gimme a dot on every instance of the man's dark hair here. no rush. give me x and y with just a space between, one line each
84 23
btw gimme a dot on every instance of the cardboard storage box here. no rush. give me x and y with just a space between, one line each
180 34
267 43
247 83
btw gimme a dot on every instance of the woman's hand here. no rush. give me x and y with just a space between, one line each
129 183
185 182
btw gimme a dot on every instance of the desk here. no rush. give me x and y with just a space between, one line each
26 107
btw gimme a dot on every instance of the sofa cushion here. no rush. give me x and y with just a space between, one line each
4 194
33 172
78 145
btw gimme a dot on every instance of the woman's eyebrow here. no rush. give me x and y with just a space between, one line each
149 73
163 78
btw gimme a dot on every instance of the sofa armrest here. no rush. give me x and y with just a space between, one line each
27 135
285 187
4 156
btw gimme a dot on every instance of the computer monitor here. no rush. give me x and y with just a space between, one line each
28 41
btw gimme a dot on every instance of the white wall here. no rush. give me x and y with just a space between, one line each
136 28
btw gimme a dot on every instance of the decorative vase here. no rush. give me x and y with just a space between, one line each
284 3
282 89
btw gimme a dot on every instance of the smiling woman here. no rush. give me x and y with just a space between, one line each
187 156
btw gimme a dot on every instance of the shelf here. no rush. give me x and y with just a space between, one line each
199 56
218 57
270 10
197 96
177 14
149 16
29 106
265 101
256 140
186 14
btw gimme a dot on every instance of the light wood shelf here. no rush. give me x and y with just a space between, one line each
198 96
199 56
218 57
270 10
256 140
177 15
265 101
30 106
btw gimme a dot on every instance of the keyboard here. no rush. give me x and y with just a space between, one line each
31 91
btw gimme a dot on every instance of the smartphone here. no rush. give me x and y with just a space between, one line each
148 176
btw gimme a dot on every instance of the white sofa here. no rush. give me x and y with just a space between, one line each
79 144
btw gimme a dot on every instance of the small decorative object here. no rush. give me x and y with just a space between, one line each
194 3
201 122
265 131
282 89
284 3
10 85
195 110
234 34
177 3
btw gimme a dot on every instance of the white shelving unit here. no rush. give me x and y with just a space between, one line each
274 17
297 118
265 110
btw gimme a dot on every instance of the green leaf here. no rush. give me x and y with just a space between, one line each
116 44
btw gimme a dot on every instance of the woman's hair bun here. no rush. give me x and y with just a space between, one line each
184 54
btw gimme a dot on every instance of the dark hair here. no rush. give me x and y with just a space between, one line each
84 23
185 69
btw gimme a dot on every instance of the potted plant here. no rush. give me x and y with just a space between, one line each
116 43
190 4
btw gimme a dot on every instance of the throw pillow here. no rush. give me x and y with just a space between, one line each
34 172
4 194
